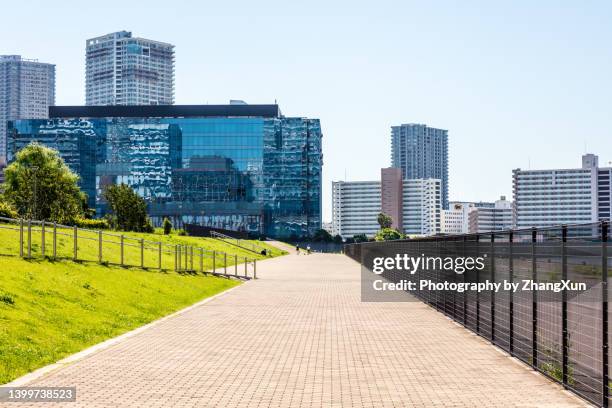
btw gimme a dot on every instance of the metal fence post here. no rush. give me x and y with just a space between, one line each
492 292
176 258
21 238
534 301
201 260
142 253
54 240
565 332
42 238
75 239
100 246
179 261
159 255
29 238
604 318
511 295
465 302
477 292
122 239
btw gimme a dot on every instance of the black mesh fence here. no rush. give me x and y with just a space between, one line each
564 336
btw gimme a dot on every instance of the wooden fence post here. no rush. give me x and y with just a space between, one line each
42 238
122 239
54 240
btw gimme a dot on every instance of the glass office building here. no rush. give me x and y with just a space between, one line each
239 167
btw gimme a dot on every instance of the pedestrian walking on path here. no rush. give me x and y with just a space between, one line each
297 249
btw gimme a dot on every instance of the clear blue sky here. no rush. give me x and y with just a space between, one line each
515 83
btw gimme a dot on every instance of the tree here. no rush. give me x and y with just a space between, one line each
360 238
322 236
384 220
388 234
167 226
39 185
337 239
128 208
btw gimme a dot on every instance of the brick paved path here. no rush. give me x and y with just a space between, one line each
300 336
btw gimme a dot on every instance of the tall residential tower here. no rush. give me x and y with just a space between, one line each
27 89
124 70
422 153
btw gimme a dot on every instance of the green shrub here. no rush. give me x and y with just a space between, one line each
92 224
388 234
7 211
182 232
167 226
148 227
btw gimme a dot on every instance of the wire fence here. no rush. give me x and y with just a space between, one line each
39 239
564 337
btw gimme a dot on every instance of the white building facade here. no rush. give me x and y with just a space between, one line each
561 196
27 89
124 70
356 205
491 218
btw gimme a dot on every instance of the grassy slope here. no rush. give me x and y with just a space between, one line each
49 310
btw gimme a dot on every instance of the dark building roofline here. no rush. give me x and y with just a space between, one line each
160 111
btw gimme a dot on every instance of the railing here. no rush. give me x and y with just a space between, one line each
39 239
249 246
564 337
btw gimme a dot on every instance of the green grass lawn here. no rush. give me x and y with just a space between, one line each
51 309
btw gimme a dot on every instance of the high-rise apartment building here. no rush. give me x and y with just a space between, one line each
562 196
237 167
125 70
421 152
356 205
355 208
27 89
495 218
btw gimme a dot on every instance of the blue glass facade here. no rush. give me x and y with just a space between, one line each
259 174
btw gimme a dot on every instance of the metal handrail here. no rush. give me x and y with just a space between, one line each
239 242
183 254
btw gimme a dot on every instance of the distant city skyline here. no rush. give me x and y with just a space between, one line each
517 85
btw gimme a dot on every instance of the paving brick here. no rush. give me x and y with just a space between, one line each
301 337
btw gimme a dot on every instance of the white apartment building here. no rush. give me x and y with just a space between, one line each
561 196
355 208
491 218
356 205
27 89
421 206
125 70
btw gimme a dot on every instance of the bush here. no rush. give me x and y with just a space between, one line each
92 224
167 225
388 234
7 210
148 227
182 232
